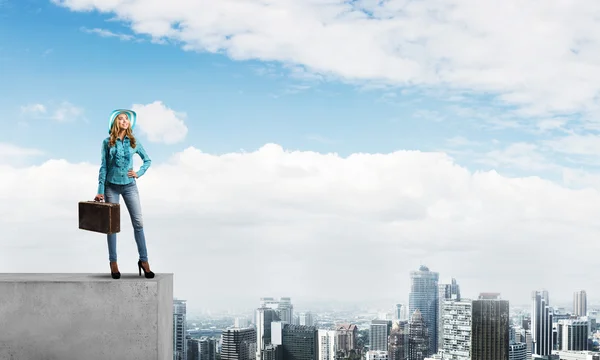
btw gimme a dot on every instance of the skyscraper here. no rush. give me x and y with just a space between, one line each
346 338
398 341
424 297
202 349
378 334
517 351
306 319
445 292
580 303
418 337
179 330
397 312
264 317
490 329
456 328
238 344
284 307
300 342
572 335
541 324
327 344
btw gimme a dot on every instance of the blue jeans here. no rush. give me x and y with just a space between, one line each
132 201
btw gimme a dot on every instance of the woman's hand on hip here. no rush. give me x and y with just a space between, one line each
132 174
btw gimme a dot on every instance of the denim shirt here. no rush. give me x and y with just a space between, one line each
117 160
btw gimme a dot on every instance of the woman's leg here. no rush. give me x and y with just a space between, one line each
111 195
131 197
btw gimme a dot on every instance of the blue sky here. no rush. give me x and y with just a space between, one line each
49 57
514 107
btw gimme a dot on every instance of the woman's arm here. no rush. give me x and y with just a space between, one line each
102 172
147 161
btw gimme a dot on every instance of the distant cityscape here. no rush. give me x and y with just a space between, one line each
437 324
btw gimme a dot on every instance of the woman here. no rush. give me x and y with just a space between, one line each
118 178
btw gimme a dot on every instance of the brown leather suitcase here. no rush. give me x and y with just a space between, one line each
100 217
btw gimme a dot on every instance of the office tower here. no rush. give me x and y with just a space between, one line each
327 344
286 309
397 312
273 352
283 306
306 319
517 351
202 349
424 297
524 336
179 329
445 292
541 323
378 334
238 344
580 303
572 335
264 317
193 349
346 337
489 332
456 328
300 342
398 341
418 337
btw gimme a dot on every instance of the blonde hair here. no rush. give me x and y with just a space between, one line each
116 129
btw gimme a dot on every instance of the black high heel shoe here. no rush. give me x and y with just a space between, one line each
148 275
115 275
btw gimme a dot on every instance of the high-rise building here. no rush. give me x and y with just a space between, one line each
398 341
378 334
179 330
445 292
541 324
238 344
202 349
283 306
306 319
327 344
286 310
580 303
424 297
517 351
490 319
418 337
273 352
346 338
264 317
300 342
572 335
397 312
456 325
523 335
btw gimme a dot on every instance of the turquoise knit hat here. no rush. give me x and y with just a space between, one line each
130 113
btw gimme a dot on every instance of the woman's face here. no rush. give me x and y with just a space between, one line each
123 121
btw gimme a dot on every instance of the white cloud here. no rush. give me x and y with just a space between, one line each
33 109
11 154
264 217
576 144
160 123
543 56
67 112
108 34
62 112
